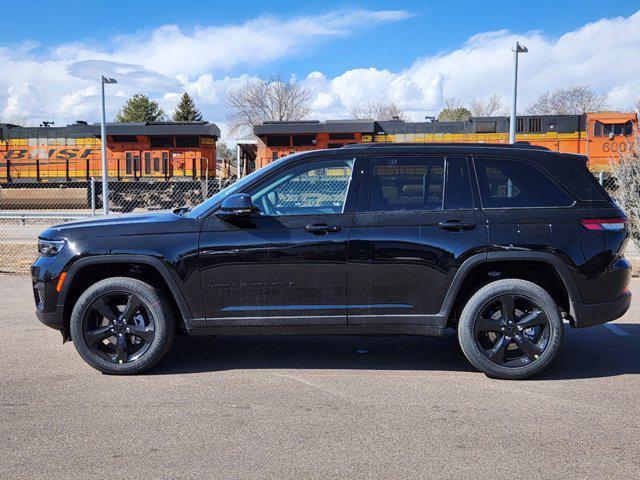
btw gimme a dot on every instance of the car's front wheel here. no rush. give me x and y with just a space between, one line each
122 325
510 329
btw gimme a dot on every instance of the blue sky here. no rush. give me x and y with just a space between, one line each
417 54
434 26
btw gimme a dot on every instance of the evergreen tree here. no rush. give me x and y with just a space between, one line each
140 108
186 110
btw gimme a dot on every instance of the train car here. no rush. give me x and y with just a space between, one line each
601 136
146 162
135 151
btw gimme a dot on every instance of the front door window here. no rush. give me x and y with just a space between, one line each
309 189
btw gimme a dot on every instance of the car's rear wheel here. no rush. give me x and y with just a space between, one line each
122 325
510 329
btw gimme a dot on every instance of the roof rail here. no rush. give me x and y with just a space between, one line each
524 145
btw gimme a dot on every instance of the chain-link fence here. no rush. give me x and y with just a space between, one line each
28 209
606 180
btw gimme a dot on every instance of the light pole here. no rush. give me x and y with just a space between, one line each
103 134
512 124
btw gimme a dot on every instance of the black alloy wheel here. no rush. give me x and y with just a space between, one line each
512 331
118 327
122 325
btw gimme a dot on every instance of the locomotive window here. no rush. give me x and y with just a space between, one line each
136 165
124 138
128 167
615 128
597 129
156 164
304 140
161 142
147 163
187 142
334 145
274 155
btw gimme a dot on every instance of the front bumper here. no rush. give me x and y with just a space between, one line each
52 319
589 314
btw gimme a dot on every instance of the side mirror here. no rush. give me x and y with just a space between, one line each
236 205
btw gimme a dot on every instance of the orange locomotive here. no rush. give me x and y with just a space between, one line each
601 136
135 151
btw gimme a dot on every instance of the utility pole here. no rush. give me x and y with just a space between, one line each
103 134
512 124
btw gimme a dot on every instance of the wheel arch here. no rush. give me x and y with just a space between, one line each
87 271
477 271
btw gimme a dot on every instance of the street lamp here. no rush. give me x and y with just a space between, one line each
512 124
103 134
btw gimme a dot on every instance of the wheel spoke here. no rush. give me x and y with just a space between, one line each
532 319
121 349
487 325
529 348
142 331
133 304
508 307
496 354
105 310
99 334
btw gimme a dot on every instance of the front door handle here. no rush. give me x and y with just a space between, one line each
456 225
322 228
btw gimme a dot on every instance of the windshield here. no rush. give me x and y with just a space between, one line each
202 208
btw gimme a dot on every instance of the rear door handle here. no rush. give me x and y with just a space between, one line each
456 225
322 228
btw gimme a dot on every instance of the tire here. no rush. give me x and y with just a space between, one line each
122 326
487 336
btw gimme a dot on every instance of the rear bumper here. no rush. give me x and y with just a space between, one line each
589 314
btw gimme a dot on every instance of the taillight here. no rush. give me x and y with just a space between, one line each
605 224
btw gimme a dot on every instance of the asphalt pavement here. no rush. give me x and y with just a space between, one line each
315 407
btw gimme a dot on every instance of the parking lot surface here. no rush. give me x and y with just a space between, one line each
315 407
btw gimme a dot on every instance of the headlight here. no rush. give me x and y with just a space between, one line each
50 247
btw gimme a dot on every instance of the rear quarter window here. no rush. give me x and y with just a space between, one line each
510 183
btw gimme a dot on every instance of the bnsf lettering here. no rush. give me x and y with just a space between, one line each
41 154
15 154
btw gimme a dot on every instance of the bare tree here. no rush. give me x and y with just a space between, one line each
569 101
379 110
626 172
267 99
486 108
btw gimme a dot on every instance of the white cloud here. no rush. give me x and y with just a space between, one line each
167 60
53 85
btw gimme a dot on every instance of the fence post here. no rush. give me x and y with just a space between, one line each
93 197
206 182
601 178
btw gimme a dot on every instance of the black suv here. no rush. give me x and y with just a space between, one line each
501 243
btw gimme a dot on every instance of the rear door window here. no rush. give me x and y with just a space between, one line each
406 183
508 183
